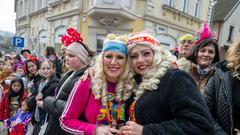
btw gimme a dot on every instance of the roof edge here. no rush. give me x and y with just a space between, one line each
229 14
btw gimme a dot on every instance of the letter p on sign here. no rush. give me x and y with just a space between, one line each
18 42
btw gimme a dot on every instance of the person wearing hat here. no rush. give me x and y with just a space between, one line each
167 100
25 53
105 95
185 45
78 58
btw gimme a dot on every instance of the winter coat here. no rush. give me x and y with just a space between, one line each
5 106
55 106
200 82
48 90
176 107
218 95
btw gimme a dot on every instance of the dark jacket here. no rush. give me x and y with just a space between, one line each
55 106
175 108
48 90
218 95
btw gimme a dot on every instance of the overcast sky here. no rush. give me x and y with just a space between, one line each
7 15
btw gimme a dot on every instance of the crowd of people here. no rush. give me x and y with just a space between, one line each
133 87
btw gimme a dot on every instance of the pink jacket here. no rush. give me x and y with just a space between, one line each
76 103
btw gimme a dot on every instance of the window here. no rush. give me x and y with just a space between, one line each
128 3
39 6
184 5
169 2
231 28
197 8
21 9
108 1
100 39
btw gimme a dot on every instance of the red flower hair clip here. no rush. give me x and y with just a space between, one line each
32 58
72 36
205 33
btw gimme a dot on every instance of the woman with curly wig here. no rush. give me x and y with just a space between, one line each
167 100
98 105
222 92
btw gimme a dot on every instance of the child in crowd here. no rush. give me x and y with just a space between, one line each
18 124
12 99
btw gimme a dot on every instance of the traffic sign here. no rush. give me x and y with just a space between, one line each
18 41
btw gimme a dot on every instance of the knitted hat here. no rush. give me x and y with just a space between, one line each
74 43
142 38
114 43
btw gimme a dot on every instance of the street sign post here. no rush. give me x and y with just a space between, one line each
18 42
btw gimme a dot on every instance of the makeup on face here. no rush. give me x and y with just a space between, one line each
32 67
113 64
141 59
205 56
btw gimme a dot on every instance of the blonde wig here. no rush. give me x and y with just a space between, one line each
162 61
124 84
233 56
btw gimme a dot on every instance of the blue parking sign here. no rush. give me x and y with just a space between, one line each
18 41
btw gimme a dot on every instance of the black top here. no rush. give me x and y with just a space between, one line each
175 108
236 102
55 106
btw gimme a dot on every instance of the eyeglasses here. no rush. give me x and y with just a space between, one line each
186 41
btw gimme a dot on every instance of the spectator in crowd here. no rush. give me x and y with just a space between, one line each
204 55
6 75
222 92
104 98
8 58
63 58
25 53
12 99
45 88
19 123
17 61
77 61
32 73
185 46
50 54
167 101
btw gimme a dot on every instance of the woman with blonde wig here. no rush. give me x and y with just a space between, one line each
98 105
167 100
222 92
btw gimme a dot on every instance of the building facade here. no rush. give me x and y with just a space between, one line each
44 23
225 24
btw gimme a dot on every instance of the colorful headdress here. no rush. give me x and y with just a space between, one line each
204 33
32 58
114 43
142 38
74 43
72 36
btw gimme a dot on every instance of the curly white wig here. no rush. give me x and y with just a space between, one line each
162 61
124 84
